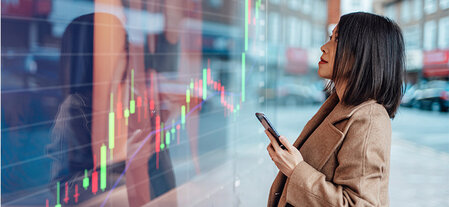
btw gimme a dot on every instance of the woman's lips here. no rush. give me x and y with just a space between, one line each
322 61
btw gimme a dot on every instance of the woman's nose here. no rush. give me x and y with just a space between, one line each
322 49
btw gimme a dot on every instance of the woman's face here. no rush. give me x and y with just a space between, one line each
326 64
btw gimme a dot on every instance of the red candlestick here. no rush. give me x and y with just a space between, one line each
76 195
139 104
95 177
66 198
145 102
178 127
158 139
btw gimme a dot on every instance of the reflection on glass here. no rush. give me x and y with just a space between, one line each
132 102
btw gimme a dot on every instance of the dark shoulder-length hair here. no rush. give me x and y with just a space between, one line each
77 54
369 60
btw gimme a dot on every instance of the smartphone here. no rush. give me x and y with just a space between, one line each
268 126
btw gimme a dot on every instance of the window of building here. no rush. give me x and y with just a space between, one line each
298 32
295 5
411 37
286 30
390 11
405 11
356 4
306 34
307 6
444 4
417 9
275 1
293 32
274 22
443 33
429 41
430 6
322 8
318 35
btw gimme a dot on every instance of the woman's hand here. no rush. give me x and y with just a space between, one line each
286 160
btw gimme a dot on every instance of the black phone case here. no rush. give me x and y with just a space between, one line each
261 117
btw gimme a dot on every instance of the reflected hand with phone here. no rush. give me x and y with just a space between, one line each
285 159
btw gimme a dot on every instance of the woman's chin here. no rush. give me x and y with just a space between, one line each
323 74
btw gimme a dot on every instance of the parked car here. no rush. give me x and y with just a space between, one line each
409 96
432 95
293 94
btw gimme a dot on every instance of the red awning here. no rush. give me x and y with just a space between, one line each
436 63
436 72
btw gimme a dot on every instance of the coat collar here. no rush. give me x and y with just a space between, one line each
340 111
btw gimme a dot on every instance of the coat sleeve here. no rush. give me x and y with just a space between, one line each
359 179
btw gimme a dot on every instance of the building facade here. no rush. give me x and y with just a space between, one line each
425 25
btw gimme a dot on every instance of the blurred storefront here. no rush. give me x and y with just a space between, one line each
425 25
436 64
414 65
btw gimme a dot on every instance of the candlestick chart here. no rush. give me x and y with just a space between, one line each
159 103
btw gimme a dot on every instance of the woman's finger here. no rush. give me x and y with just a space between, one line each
269 146
274 143
286 143
271 151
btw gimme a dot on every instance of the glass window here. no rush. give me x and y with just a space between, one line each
390 11
405 11
274 25
151 102
306 36
293 39
430 35
295 5
412 37
430 6
417 9
123 103
307 6
324 8
285 30
444 4
318 35
356 4
443 33
321 6
298 32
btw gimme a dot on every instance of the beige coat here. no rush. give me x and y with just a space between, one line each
346 152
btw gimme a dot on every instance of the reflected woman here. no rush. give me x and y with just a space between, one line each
342 156
81 126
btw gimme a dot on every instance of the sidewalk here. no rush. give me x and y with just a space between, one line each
419 175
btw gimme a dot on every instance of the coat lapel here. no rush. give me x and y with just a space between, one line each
320 145
309 128
324 138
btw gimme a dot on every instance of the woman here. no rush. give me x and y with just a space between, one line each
344 150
